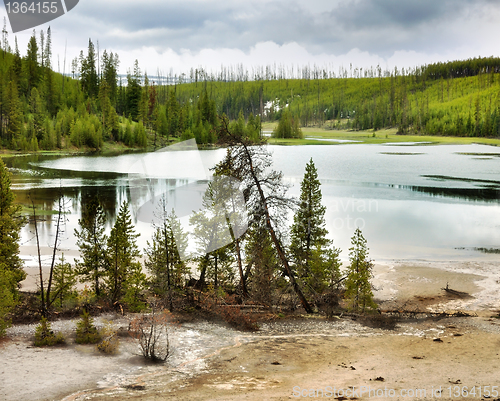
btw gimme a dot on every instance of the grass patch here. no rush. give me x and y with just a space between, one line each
401 153
488 250
27 210
378 137
478 154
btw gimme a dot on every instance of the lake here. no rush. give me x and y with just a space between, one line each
412 201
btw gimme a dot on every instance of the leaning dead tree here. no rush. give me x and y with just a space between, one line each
264 190
45 292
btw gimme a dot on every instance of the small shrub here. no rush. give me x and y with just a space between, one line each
236 318
45 336
86 332
151 330
109 340
86 297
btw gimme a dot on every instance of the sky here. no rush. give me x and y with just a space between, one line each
177 35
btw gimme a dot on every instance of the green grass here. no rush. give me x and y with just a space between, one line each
27 210
370 137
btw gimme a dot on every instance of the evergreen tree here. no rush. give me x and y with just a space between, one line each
358 291
64 281
31 66
7 298
15 124
134 90
11 272
109 117
121 253
10 225
49 92
263 265
110 74
86 332
173 114
128 136
140 136
212 232
88 74
288 127
309 246
163 254
91 242
37 110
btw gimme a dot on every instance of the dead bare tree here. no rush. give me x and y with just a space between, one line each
45 293
151 331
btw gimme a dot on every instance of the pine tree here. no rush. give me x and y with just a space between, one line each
121 251
10 225
15 124
86 332
212 232
134 90
309 246
64 281
163 253
37 110
263 261
88 74
358 291
11 272
91 242
31 66
7 298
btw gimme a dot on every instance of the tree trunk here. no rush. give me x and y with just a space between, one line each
275 239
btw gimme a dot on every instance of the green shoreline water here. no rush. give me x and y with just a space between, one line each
312 136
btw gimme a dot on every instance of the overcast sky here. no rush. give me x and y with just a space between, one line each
181 35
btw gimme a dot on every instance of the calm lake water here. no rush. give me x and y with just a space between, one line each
413 202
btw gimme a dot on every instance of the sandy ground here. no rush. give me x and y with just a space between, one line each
291 359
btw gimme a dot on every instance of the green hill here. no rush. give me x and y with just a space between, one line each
41 109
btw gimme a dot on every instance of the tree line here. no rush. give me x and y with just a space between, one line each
92 104
265 265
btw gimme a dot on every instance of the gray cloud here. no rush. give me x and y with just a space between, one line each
373 25
332 27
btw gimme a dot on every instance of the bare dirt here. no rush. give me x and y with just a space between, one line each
454 358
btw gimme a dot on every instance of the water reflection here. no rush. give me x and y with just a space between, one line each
426 206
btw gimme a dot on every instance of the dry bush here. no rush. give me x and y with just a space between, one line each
152 332
109 339
233 315
380 321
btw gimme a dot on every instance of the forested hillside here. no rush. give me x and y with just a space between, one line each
91 104
457 98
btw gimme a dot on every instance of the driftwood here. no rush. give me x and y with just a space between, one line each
455 292
245 306
412 313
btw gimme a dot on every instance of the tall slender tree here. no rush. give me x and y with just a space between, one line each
88 73
311 250
163 253
358 290
121 254
91 242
